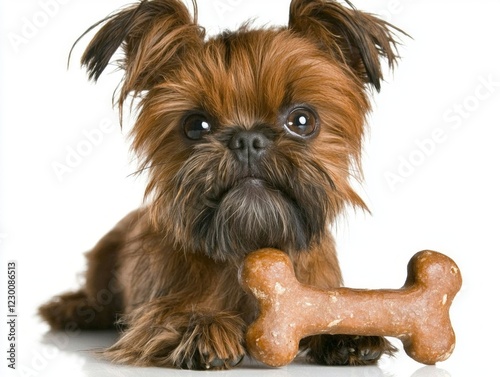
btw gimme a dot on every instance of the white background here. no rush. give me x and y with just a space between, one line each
445 197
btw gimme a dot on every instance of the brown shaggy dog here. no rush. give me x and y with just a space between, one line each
250 139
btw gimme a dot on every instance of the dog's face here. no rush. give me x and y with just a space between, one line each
251 137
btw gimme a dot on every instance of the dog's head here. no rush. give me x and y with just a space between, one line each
250 137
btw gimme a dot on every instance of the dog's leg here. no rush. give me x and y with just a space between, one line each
320 268
188 339
185 312
97 304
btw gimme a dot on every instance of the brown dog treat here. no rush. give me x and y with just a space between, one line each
417 314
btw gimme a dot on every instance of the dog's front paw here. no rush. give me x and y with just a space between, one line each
347 349
210 342
186 340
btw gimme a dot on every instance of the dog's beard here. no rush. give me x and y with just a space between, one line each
252 215
217 207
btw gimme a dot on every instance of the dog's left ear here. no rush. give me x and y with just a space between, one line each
356 38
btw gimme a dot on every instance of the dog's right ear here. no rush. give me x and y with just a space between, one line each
154 35
353 37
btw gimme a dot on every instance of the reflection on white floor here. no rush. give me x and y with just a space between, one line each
73 354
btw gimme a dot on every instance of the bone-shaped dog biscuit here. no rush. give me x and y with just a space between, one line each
417 314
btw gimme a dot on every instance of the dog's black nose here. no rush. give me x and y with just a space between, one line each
248 146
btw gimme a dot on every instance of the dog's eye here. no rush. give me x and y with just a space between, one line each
196 126
301 122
